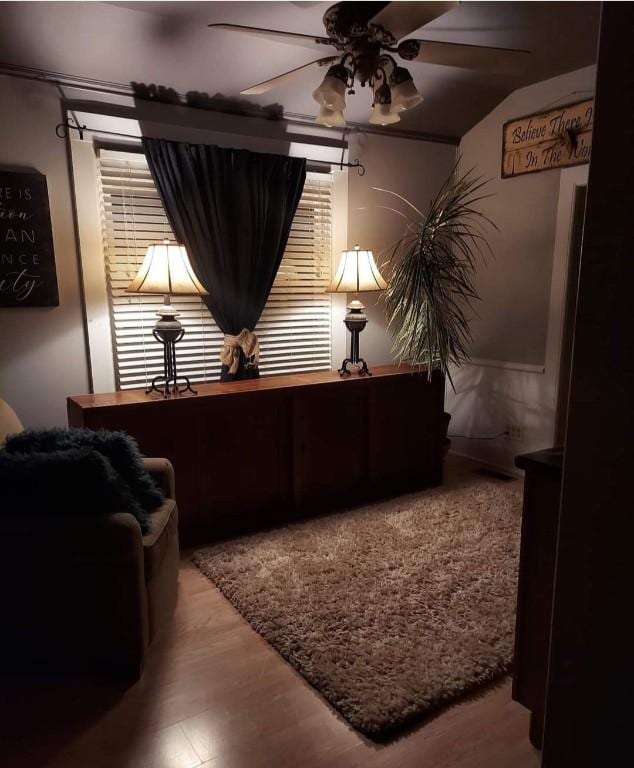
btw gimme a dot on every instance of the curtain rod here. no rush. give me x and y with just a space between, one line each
62 130
121 89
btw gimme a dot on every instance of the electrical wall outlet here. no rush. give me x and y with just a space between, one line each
514 432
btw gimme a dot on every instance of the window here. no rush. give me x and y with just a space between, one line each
295 327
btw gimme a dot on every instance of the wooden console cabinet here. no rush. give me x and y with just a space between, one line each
256 453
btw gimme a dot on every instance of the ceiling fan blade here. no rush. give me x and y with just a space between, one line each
403 18
267 85
276 34
482 57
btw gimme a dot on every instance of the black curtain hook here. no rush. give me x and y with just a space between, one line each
62 129
359 166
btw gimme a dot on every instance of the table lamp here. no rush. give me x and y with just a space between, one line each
357 272
166 269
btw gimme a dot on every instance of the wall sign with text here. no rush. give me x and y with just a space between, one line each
556 139
27 260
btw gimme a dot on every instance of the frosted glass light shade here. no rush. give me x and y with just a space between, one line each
166 269
404 93
357 272
405 96
332 91
332 118
382 115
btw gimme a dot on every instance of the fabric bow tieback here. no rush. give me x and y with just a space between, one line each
246 341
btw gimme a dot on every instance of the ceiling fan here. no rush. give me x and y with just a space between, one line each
366 34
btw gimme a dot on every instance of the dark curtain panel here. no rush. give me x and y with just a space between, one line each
232 210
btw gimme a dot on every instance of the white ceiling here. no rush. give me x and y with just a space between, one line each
168 43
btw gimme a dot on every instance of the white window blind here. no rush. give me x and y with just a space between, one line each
294 329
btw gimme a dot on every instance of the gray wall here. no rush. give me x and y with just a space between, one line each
42 351
512 319
413 169
513 377
43 355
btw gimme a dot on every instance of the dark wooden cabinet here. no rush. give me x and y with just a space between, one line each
243 452
540 519
403 434
330 436
257 453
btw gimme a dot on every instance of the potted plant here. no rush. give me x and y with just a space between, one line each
432 265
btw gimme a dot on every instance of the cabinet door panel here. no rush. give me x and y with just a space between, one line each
330 444
404 443
244 462
540 518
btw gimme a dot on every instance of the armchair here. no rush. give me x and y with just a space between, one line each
88 594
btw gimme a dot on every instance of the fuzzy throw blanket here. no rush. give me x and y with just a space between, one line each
75 472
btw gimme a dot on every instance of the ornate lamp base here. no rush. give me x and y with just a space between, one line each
363 370
168 331
355 322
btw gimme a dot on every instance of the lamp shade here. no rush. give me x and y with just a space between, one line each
405 96
330 117
332 91
357 272
382 115
404 92
166 269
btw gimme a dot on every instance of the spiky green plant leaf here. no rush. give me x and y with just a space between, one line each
432 267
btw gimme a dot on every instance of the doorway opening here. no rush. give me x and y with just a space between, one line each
569 309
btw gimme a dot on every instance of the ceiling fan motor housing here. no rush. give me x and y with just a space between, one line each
346 22
366 60
408 49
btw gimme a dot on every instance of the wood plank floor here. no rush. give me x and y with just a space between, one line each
216 694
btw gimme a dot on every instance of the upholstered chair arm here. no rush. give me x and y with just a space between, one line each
162 472
81 597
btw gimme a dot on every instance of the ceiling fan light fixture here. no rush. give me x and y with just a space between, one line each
405 95
331 118
366 37
332 91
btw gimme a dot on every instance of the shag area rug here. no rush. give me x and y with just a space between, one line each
391 610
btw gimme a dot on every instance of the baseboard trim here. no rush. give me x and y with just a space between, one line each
512 471
508 366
